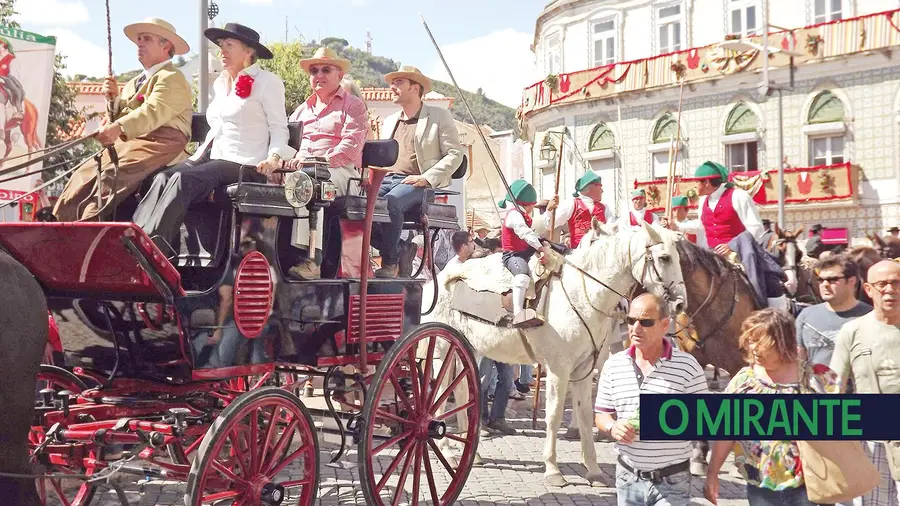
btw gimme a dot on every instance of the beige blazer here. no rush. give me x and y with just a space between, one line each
164 100
438 151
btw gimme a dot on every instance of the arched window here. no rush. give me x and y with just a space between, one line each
666 129
825 129
741 144
601 138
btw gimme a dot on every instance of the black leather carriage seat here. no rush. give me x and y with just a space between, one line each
439 215
376 153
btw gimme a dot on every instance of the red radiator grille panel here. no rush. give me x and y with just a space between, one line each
384 318
252 294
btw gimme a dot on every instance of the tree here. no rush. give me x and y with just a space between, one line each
285 63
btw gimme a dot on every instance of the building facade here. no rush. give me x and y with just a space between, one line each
612 76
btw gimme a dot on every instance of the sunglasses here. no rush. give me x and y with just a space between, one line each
645 322
321 70
831 280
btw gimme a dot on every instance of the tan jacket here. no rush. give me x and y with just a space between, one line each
438 151
164 100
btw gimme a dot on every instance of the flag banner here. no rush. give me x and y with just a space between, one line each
26 81
773 417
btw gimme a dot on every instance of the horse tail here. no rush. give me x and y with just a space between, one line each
29 127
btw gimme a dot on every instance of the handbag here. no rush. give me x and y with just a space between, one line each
835 471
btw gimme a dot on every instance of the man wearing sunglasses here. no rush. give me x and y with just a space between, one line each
818 325
867 350
648 472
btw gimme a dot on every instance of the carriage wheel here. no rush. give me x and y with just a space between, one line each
262 449
59 490
409 396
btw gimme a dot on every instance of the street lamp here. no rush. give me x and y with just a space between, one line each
766 86
548 152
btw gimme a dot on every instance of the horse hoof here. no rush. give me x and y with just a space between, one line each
698 468
572 433
555 480
595 479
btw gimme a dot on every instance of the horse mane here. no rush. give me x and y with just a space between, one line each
603 254
695 257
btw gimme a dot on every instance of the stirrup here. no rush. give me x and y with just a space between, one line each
527 318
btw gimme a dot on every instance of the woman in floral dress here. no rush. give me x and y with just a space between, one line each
771 469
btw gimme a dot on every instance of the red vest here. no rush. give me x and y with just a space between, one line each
648 217
5 63
580 221
722 224
509 241
691 237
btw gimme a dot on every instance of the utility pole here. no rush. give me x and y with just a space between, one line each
369 42
203 89
285 29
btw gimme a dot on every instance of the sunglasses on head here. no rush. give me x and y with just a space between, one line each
645 322
321 70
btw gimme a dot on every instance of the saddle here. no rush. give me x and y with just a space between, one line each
488 299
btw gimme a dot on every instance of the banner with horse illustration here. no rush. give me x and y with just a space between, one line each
26 80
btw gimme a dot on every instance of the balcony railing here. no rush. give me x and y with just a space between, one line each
803 185
817 43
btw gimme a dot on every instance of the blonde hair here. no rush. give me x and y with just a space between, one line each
769 329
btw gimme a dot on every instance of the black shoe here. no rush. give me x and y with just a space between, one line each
522 388
500 427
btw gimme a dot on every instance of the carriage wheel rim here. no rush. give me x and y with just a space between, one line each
254 474
419 454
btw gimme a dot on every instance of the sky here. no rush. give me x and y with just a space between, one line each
486 42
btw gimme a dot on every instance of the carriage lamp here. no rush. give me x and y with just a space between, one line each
328 191
298 189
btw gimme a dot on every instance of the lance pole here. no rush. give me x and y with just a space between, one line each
462 96
673 156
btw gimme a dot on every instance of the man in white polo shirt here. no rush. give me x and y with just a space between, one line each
648 472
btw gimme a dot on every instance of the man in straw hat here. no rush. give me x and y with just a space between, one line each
429 154
639 212
519 242
335 126
151 127
579 212
730 225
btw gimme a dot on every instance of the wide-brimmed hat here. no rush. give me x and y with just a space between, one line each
242 33
411 73
159 27
325 56
816 228
894 229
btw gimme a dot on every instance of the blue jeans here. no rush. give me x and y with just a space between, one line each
757 496
525 372
400 198
674 490
222 354
501 393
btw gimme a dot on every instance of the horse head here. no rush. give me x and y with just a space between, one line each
655 264
785 248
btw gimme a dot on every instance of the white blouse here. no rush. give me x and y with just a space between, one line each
247 130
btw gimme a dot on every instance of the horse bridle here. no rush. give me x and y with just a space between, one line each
722 319
792 265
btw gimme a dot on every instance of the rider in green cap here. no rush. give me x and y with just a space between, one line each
639 212
579 212
730 225
519 242
680 212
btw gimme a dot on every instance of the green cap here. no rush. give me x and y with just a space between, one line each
712 170
679 201
522 192
638 193
589 177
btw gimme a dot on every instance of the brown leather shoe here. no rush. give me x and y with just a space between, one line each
307 269
388 271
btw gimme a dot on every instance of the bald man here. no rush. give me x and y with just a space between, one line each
876 336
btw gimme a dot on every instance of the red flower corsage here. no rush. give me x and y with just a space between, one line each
243 86
140 98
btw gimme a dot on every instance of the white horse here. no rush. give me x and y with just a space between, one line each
574 339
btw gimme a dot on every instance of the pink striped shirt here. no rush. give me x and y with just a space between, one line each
337 133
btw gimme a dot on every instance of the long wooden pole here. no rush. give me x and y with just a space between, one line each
673 156
537 388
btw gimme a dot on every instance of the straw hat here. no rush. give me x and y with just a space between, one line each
411 73
326 56
159 27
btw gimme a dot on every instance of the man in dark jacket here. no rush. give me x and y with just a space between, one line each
814 246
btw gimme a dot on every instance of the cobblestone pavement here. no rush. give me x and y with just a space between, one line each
512 474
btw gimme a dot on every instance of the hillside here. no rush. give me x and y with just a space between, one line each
367 70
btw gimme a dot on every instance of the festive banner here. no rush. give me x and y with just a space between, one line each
802 185
26 80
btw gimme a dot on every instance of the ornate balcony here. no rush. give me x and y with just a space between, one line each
802 186
817 43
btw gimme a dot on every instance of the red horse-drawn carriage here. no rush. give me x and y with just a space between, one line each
146 390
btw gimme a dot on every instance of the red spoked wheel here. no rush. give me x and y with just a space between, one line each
409 397
57 489
262 449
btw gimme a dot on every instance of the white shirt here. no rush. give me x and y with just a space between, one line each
743 205
452 262
516 222
148 73
638 217
247 130
567 207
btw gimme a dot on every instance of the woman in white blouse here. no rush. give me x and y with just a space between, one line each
248 130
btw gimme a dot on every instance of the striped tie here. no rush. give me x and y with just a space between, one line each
140 82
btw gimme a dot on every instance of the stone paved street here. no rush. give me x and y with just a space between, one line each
512 474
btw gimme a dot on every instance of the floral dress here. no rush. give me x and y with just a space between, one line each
775 465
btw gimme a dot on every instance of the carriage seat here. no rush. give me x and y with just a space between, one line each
439 215
376 153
